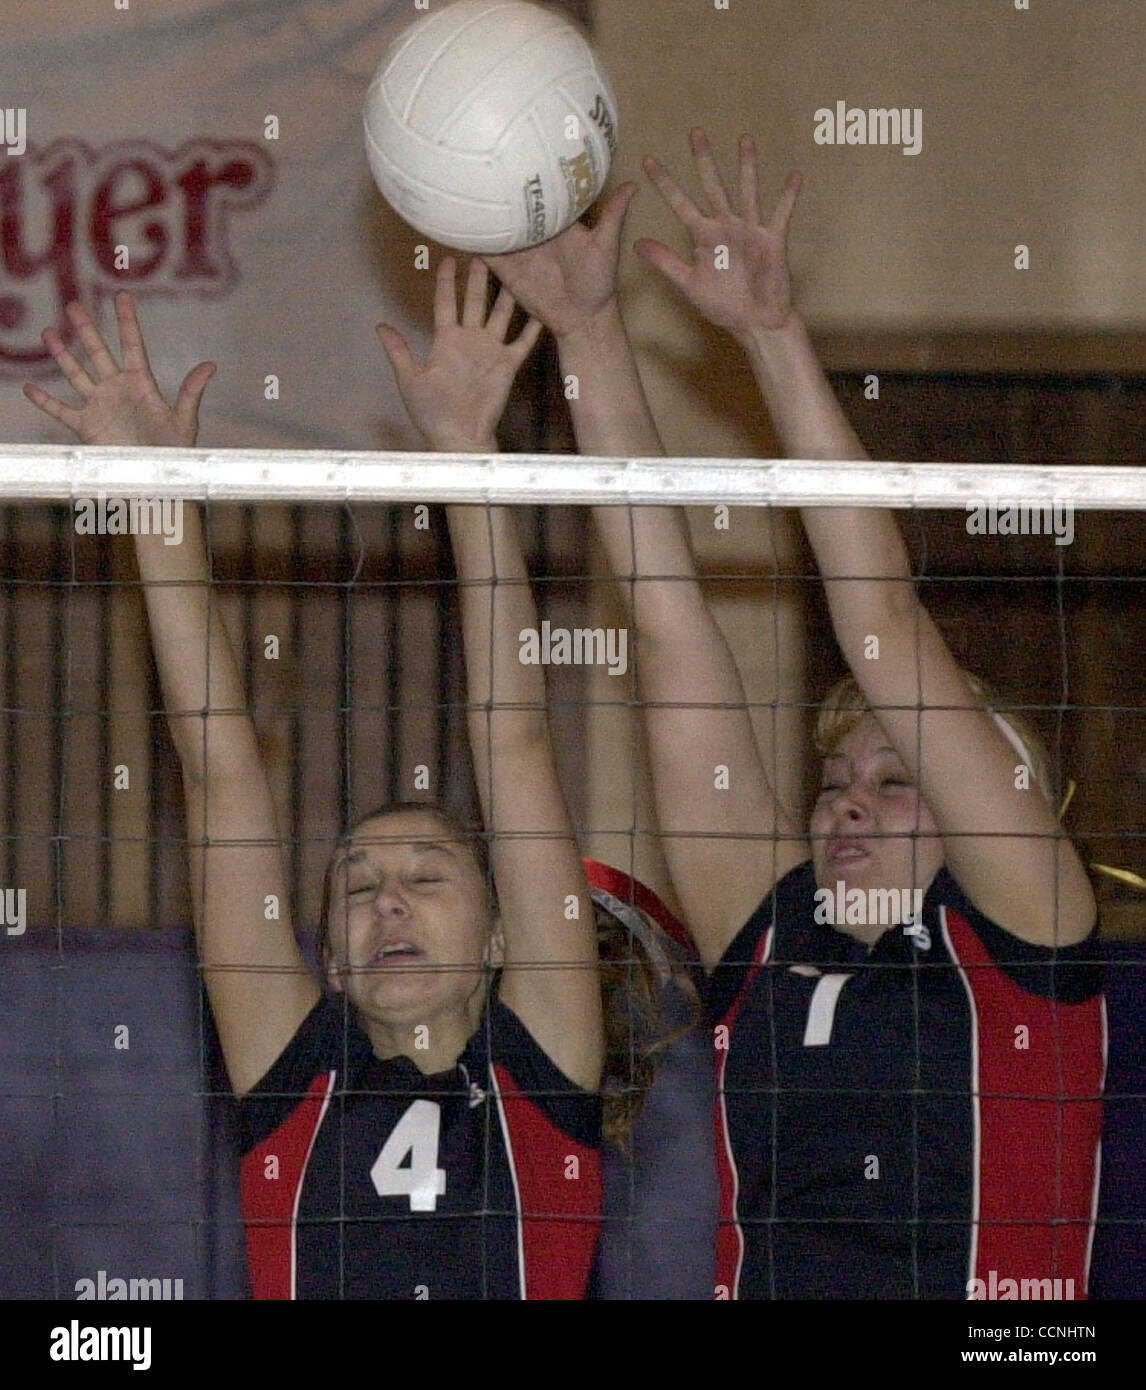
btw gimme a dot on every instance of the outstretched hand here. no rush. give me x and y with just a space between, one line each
121 405
754 289
457 396
568 281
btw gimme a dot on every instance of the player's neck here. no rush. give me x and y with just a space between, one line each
433 1043
870 936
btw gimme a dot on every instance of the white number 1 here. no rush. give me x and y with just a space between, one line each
415 1134
822 1010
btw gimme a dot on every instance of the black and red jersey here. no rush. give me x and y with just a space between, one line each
365 1179
903 1122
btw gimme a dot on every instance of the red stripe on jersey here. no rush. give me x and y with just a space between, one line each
270 1203
1038 1122
729 1236
558 1203
617 882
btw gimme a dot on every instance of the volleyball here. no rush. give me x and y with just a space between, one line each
490 125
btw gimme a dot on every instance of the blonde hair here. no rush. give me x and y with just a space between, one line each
845 706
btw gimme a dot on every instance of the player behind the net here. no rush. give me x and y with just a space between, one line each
429 1127
909 1100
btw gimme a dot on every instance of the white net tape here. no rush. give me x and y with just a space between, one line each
47 472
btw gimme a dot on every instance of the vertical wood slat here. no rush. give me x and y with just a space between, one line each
61 695
103 598
30 785
294 818
10 651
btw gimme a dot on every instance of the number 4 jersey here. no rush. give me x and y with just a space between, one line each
365 1179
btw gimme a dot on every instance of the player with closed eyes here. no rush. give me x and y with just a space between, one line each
428 1126
908 1106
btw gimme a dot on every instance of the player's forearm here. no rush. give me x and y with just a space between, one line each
647 547
808 418
867 576
611 417
497 613
192 647
650 557
611 414
857 543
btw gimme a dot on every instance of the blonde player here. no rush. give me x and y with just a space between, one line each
909 1041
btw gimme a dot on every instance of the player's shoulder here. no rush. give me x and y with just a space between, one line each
1070 974
538 1101
502 1036
787 910
504 1042
329 1039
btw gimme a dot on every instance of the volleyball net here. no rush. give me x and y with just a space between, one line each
341 599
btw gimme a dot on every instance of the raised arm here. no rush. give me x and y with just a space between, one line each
1002 842
717 832
550 978
258 984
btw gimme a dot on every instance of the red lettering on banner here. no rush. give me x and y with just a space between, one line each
64 210
106 214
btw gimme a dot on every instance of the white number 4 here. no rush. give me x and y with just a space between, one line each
416 1135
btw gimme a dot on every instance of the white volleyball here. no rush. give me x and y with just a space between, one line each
490 125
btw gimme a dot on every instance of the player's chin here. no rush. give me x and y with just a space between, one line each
850 872
416 975
366 981
421 979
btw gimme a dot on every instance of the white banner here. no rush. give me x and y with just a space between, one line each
207 155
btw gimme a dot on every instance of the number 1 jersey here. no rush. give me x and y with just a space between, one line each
920 1120
365 1179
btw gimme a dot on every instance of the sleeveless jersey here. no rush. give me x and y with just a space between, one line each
364 1179
920 1121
